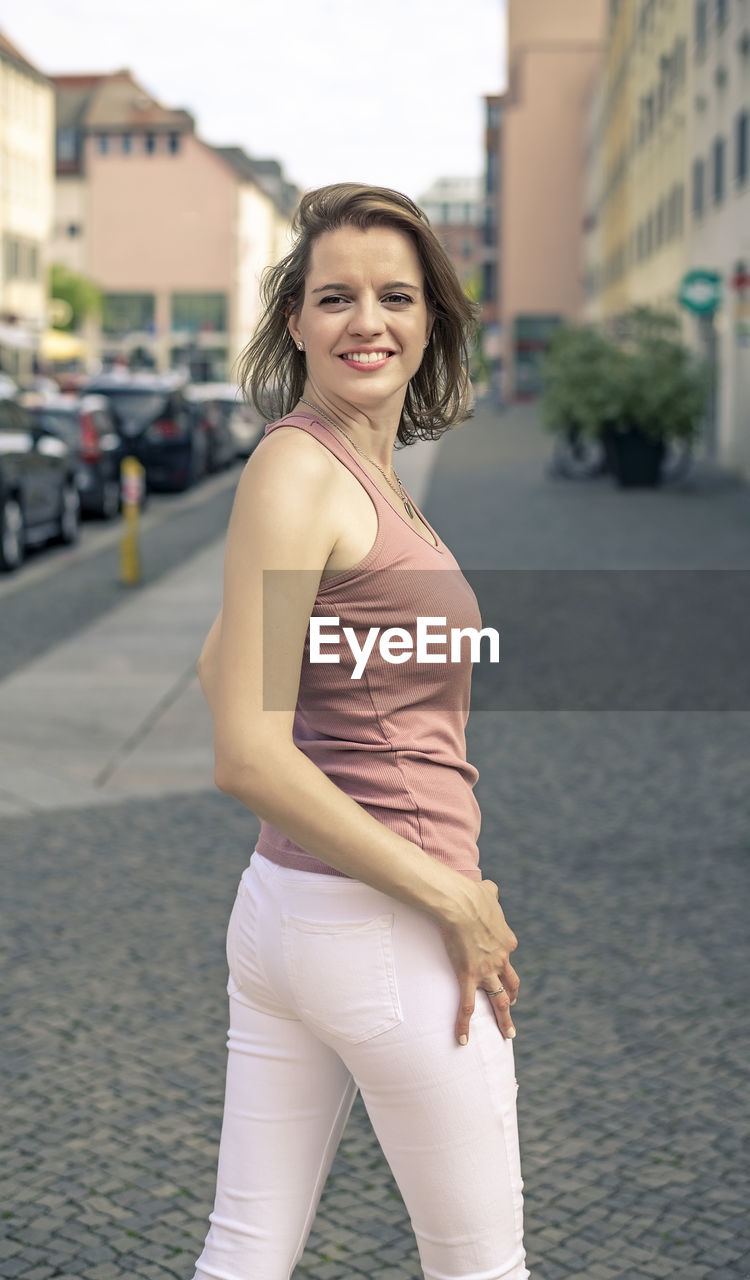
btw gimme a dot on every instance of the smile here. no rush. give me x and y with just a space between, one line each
367 359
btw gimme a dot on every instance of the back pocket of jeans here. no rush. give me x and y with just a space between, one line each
343 975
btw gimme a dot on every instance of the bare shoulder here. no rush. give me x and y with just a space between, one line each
284 498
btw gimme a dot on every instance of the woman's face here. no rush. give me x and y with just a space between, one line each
364 320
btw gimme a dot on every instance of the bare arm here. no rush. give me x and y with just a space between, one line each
284 518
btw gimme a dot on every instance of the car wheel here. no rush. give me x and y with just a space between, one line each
110 504
70 514
12 542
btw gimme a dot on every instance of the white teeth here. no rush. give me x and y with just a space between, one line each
366 357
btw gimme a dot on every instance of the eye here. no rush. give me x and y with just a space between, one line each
398 298
333 297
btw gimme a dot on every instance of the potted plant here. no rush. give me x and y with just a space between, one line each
632 395
664 399
583 377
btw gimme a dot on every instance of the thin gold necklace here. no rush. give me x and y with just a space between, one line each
400 492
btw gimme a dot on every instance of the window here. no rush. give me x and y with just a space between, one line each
150 143
173 143
678 208
102 143
718 170
699 184
701 27
127 143
660 224
127 313
491 183
73 229
722 14
742 128
488 282
199 312
67 146
12 264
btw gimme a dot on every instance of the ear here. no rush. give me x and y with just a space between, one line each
292 325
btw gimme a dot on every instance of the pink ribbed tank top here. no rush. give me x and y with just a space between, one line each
394 739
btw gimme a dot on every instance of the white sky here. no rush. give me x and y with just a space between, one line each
387 92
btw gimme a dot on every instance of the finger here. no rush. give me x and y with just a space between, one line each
501 1005
510 981
465 1010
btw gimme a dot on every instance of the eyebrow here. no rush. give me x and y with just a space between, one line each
390 284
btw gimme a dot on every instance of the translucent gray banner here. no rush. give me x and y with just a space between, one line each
590 639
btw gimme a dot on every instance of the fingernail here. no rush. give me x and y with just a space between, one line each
513 1002
463 1039
510 1034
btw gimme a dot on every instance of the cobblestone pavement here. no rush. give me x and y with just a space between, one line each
621 844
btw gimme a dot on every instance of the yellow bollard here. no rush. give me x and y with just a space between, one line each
132 475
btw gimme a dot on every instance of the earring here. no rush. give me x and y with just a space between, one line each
427 343
301 346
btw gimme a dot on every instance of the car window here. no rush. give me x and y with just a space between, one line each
138 407
59 423
13 417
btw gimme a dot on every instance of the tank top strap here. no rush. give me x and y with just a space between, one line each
327 437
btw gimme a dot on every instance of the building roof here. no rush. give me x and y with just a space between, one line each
114 100
450 190
266 174
10 53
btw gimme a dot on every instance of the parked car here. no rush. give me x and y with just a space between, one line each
214 414
157 426
39 497
241 421
88 426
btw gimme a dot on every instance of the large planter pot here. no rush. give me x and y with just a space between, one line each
634 459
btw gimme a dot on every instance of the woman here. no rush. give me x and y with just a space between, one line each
362 928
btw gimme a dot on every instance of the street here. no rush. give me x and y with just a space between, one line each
619 839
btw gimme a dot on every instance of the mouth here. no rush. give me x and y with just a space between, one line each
366 359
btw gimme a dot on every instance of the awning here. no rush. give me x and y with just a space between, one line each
16 335
58 345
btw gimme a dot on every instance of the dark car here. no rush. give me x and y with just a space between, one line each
88 426
39 497
214 415
239 421
157 426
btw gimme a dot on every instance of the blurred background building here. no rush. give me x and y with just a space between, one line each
616 174
455 207
27 112
174 232
535 180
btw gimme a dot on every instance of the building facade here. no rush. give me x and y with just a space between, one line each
175 233
27 107
719 222
539 128
669 187
455 208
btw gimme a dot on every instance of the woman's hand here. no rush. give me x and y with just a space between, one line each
479 944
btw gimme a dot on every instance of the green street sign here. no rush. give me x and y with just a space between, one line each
700 290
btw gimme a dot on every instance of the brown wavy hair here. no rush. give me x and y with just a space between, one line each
272 371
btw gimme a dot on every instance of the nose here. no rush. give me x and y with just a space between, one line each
366 317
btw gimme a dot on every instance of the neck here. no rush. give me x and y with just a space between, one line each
374 430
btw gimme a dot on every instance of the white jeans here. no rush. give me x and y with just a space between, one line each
335 986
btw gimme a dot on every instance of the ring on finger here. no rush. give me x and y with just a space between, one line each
496 993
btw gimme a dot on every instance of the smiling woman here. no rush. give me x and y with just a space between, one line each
275 372
363 929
